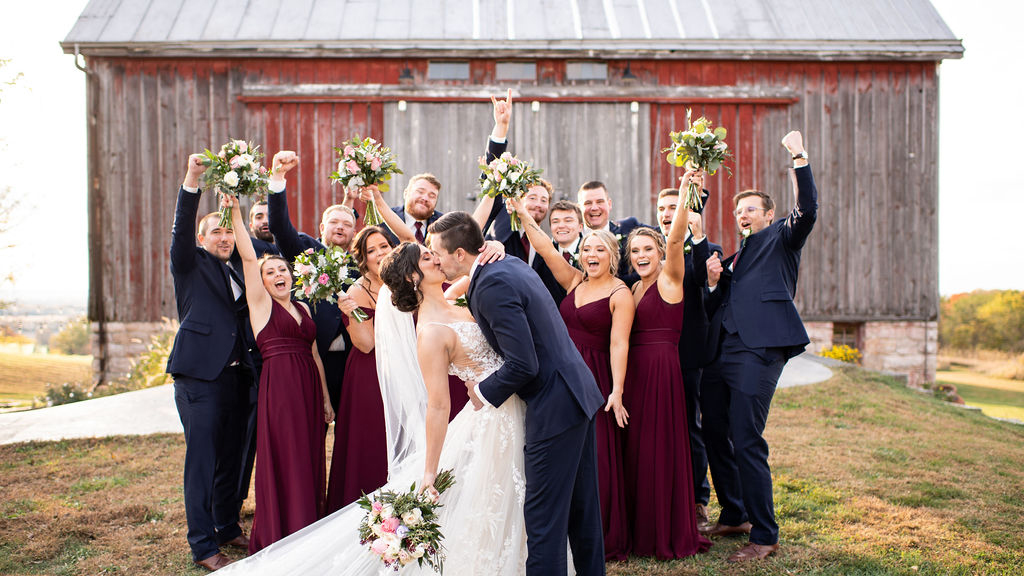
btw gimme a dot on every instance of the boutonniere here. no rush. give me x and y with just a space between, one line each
687 248
461 301
745 233
618 239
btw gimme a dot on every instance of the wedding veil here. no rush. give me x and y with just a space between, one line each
401 385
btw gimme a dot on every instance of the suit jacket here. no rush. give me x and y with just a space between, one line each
211 333
400 210
694 339
291 242
756 298
520 321
263 247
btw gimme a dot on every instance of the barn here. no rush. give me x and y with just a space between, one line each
598 84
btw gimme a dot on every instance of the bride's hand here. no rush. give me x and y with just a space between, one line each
427 486
615 404
492 252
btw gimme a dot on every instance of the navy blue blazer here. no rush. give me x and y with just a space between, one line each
211 320
291 242
758 294
263 247
520 321
694 338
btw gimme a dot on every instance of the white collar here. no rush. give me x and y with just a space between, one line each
472 269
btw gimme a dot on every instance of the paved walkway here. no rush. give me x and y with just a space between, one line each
152 410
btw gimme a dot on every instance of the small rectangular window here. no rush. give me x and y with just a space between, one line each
516 71
846 333
586 71
448 70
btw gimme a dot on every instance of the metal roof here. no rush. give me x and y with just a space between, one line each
761 29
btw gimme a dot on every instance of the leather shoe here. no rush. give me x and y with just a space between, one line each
215 562
753 552
239 541
725 530
702 518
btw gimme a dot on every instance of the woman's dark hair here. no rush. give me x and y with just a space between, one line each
359 243
458 230
401 272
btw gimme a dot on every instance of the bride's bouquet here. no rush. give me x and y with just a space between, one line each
320 275
697 147
236 170
401 527
508 176
365 162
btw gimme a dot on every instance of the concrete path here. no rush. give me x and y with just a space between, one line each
152 410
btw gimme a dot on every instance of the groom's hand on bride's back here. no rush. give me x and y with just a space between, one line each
473 398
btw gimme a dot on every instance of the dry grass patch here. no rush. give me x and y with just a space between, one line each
25 376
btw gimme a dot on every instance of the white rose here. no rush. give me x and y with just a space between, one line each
419 551
242 145
404 557
357 181
514 176
412 517
231 179
248 159
387 512
501 167
393 549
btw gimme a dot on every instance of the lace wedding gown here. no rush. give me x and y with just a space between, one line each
482 517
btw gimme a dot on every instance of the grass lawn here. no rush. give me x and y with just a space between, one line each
870 478
997 397
25 376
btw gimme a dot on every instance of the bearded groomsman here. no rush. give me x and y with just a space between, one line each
259 230
756 329
212 370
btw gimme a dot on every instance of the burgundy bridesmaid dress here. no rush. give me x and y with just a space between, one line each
659 480
590 328
290 460
359 464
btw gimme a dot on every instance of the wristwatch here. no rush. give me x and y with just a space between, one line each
800 155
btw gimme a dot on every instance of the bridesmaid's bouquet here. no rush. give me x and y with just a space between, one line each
697 147
401 527
320 275
508 176
236 170
364 163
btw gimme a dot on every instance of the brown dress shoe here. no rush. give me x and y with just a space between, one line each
719 529
215 562
753 552
239 541
702 518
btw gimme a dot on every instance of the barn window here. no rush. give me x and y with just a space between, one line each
586 71
846 333
516 71
448 70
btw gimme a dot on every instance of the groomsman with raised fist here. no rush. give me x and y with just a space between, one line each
212 369
756 329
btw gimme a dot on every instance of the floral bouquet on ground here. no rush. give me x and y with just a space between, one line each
365 162
697 147
236 170
320 275
508 176
401 527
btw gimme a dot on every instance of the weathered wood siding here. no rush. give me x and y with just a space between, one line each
871 130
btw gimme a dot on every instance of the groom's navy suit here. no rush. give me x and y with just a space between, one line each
754 330
212 370
520 321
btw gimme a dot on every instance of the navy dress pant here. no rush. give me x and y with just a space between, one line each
698 453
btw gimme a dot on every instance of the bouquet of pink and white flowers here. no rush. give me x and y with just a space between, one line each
320 275
236 170
508 176
697 147
365 162
401 527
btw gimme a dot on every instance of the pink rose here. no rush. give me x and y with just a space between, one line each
391 524
350 151
235 162
307 290
514 161
375 163
309 250
323 279
379 546
376 507
352 167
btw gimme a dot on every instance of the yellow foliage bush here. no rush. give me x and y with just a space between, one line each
843 353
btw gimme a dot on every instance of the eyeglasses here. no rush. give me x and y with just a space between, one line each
749 210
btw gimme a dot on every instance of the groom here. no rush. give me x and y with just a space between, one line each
520 321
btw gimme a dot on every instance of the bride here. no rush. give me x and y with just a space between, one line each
482 513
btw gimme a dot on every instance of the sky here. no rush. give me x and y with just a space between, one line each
43 152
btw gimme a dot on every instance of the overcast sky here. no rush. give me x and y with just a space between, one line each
42 126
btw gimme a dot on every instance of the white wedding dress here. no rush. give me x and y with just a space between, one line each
482 513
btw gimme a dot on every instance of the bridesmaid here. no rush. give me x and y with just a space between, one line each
293 399
598 311
659 479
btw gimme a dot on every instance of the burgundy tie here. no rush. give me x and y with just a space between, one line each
526 247
567 256
419 233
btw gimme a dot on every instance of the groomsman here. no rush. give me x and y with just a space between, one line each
756 329
596 205
259 230
566 222
211 366
418 209
336 230
693 340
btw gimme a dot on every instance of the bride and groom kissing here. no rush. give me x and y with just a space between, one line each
524 455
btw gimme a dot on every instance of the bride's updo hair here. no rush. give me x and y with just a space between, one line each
400 271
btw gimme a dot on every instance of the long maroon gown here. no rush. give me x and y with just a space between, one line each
659 479
359 463
290 461
590 328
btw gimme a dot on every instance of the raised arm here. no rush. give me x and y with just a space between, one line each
285 235
183 232
567 275
670 282
256 295
801 220
434 348
397 226
492 209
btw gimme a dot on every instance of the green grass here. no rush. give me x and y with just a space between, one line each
23 377
997 397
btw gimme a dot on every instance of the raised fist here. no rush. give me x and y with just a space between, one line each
284 161
793 142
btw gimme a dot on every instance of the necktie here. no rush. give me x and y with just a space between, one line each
419 233
567 256
526 247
